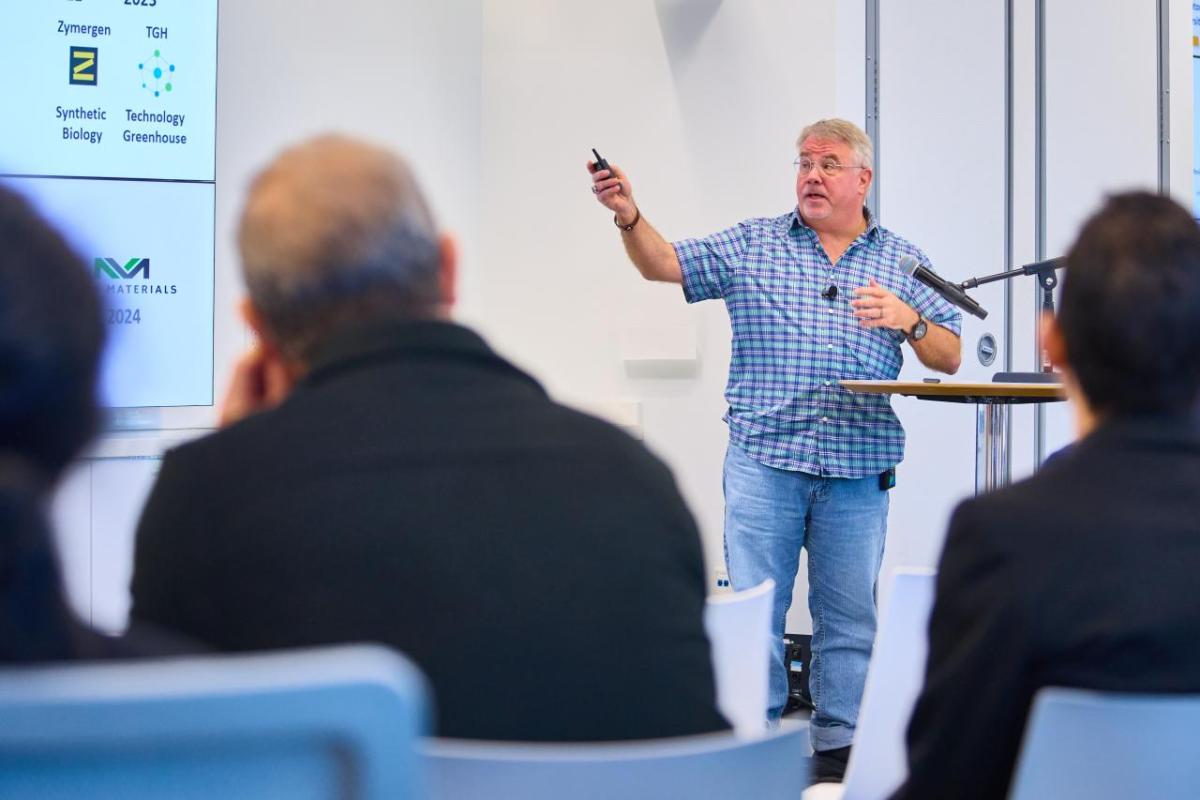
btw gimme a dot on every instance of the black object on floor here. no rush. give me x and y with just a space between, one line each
829 766
796 654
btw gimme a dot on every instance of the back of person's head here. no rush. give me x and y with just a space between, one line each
335 233
51 337
1130 313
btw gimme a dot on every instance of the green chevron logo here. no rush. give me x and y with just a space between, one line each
109 268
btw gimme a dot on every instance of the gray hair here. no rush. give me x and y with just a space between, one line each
844 131
336 231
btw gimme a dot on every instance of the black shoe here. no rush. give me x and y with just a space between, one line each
829 766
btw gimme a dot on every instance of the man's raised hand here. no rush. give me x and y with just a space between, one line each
612 190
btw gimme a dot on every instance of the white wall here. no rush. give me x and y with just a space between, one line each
1101 137
497 103
700 102
942 186
406 74
942 131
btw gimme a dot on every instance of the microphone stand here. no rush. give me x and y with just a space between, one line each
1045 272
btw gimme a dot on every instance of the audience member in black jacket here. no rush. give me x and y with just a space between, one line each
1084 575
406 485
51 335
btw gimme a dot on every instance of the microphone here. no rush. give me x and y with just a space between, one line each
945 288
829 292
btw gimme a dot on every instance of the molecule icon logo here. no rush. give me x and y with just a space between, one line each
157 74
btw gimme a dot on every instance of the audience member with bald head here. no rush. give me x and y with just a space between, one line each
335 232
382 475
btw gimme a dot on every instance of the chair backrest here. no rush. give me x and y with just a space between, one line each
337 722
1082 744
878 760
739 630
694 767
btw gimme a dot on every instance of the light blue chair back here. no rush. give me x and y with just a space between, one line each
696 767
739 630
337 722
878 760
1080 744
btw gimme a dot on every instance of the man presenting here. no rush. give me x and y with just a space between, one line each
814 297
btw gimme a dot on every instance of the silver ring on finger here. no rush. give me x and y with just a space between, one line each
595 190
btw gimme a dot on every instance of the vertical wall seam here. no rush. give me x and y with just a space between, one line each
1039 433
1009 201
1164 97
91 507
872 110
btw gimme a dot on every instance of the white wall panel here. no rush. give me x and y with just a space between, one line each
1025 187
700 101
942 132
406 74
119 488
71 520
1182 99
497 102
1101 124
94 516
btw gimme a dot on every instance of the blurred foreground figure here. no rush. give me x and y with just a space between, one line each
384 476
51 337
1083 575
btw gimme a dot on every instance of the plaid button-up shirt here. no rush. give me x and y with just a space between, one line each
791 345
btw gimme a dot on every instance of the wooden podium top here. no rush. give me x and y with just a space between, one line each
953 392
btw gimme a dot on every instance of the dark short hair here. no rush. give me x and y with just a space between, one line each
51 337
1130 315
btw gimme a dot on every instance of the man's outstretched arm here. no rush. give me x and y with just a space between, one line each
653 255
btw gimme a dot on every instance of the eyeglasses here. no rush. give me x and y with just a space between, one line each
829 167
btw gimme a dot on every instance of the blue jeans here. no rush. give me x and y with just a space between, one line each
769 515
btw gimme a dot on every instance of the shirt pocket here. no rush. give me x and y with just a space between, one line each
876 354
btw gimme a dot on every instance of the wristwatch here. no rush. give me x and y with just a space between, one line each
918 330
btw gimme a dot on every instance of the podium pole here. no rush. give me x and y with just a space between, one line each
991 447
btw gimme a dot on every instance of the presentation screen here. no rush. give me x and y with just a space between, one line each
1196 110
110 130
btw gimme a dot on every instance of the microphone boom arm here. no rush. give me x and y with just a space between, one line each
1044 270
